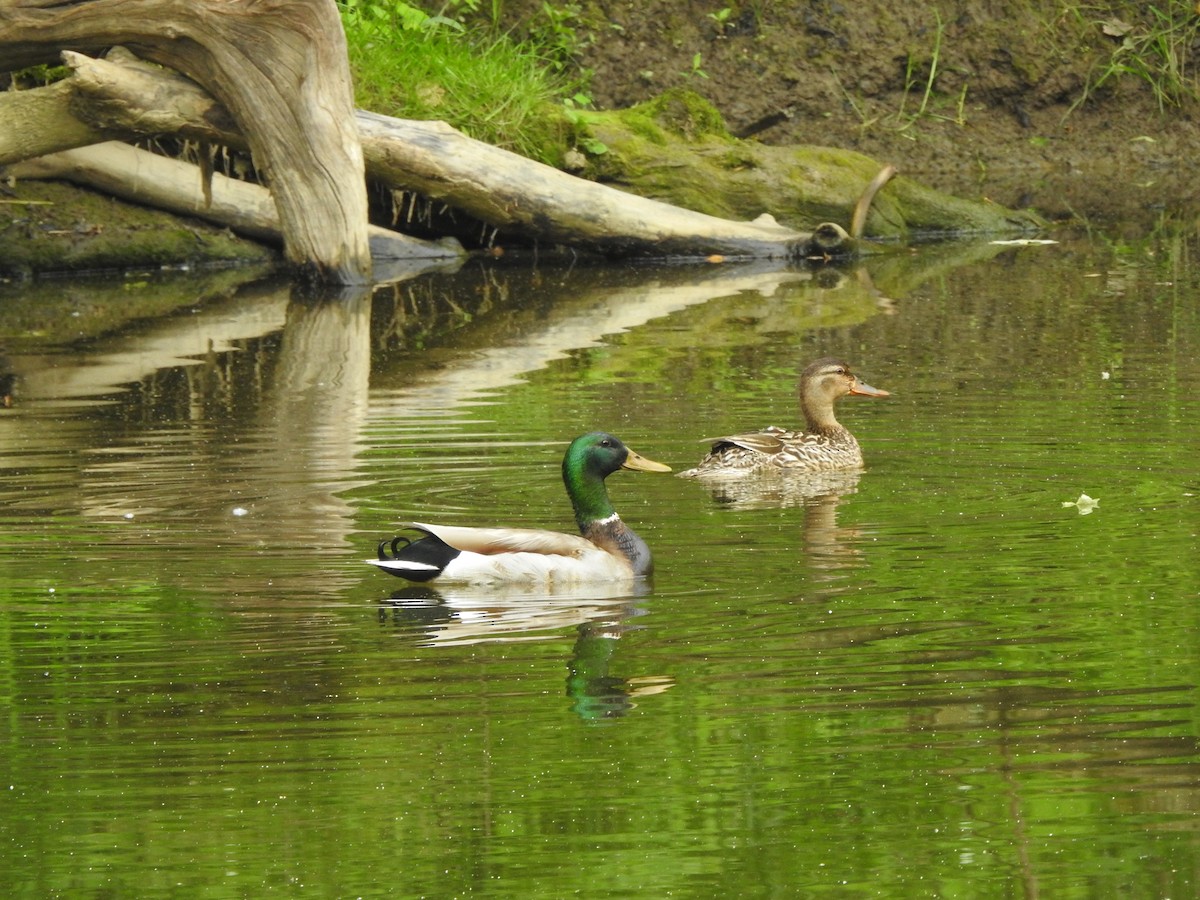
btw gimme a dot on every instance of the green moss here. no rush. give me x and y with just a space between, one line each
685 114
714 173
643 126
49 226
737 159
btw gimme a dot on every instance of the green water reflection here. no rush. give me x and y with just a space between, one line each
932 679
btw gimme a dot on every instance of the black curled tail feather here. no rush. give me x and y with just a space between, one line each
394 545
429 557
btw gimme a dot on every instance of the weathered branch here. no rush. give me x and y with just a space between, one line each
278 66
40 121
246 208
511 192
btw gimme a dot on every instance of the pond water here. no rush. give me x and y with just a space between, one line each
933 679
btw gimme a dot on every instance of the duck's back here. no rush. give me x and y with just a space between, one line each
775 449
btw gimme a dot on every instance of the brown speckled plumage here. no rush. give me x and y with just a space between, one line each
823 446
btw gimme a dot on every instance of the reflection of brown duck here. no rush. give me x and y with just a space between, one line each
824 446
827 547
780 489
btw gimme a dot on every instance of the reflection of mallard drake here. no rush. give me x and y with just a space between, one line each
604 550
824 445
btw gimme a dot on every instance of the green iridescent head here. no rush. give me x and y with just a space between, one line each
589 460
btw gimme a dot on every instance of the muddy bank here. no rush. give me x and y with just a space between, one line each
976 98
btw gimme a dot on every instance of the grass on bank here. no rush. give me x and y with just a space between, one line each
1109 43
411 64
1152 43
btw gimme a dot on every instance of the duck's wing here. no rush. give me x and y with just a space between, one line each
490 541
769 441
449 553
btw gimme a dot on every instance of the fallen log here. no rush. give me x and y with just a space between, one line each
40 121
246 208
280 69
503 190
510 192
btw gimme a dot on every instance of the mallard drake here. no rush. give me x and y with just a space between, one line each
606 549
824 445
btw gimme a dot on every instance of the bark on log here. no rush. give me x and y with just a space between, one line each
501 189
509 191
39 121
170 184
278 66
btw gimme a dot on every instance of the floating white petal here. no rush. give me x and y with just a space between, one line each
1084 504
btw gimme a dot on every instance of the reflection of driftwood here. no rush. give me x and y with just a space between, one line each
280 69
110 365
500 188
481 365
313 418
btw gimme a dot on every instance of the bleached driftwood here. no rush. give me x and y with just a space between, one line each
513 193
149 179
280 69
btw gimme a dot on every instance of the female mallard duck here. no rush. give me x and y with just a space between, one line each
824 445
604 550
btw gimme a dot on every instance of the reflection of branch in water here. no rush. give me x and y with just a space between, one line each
312 421
886 304
575 321
112 364
8 381
231 448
